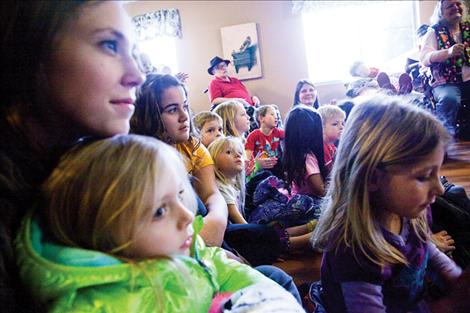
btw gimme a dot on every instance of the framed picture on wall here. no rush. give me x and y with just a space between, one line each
240 46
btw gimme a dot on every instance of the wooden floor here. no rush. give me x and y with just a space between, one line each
305 267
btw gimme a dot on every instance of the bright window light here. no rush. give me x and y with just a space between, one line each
378 33
162 53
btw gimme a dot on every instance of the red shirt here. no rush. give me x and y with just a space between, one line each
219 88
259 142
329 151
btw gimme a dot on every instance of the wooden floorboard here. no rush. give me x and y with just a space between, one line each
457 167
305 267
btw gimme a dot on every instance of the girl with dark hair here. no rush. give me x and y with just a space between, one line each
162 112
303 157
306 93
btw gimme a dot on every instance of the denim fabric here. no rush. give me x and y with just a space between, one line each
447 104
280 277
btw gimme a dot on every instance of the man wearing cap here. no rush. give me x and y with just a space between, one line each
223 87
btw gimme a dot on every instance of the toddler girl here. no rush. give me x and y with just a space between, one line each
209 126
228 156
373 226
117 234
303 152
235 120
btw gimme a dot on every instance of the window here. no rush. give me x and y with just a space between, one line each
378 33
162 53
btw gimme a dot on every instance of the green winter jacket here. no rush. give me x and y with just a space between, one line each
70 279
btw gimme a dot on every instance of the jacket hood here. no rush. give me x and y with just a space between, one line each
52 270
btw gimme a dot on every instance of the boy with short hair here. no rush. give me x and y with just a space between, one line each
263 144
209 126
333 124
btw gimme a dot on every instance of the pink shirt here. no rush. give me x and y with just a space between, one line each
311 166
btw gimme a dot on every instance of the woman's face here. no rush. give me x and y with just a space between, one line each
175 114
452 10
307 95
92 73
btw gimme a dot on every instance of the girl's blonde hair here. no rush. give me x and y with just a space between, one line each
380 133
227 111
94 199
203 117
329 111
219 146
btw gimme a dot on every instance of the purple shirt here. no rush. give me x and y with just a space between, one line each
352 285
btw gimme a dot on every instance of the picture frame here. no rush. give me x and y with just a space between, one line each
241 46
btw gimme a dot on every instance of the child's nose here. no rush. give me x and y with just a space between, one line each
185 217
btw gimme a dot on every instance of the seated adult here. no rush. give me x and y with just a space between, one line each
446 50
59 84
223 87
306 93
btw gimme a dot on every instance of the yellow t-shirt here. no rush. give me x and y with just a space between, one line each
194 160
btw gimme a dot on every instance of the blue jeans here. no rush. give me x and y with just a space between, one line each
249 231
280 277
448 103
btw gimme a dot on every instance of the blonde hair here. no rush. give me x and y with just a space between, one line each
200 119
227 110
329 111
381 132
94 199
219 146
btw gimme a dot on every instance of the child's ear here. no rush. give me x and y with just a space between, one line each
376 180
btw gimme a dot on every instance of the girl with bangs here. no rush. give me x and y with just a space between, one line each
373 228
117 233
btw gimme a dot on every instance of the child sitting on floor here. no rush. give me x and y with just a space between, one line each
303 157
263 145
117 233
209 126
373 227
333 124
228 156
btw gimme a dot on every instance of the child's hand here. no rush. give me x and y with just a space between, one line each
443 241
267 162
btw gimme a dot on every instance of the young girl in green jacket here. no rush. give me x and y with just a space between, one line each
116 233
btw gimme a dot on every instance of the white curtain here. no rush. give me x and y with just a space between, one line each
165 22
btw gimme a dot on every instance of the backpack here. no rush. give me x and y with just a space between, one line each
451 212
